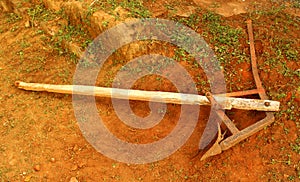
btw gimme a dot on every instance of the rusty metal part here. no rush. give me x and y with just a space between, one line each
239 135
215 148
234 139
246 92
221 114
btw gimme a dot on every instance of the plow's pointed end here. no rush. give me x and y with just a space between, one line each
216 148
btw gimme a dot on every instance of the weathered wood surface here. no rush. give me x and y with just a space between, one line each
155 96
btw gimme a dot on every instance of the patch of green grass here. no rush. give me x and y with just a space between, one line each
40 13
224 38
182 55
296 3
192 21
284 47
275 10
280 58
24 44
291 178
105 5
13 17
64 75
70 33
135 7
291 54
86 43
224 34
211 17
90 11
21 54
38 32
287 161
14 28
105 23
296 146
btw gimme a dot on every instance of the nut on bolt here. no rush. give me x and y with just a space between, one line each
267 103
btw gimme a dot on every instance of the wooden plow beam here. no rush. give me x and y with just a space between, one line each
154 96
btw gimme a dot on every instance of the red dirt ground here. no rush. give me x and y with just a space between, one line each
40 138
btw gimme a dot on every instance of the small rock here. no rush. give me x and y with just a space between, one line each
27 24
81 164
74 167
75 148
13 162
52 159
27 178
37 167
49 129
73 179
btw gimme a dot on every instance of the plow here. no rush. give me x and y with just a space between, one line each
219 102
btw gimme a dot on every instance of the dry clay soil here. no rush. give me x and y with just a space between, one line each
40 139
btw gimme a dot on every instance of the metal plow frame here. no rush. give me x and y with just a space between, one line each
237 136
